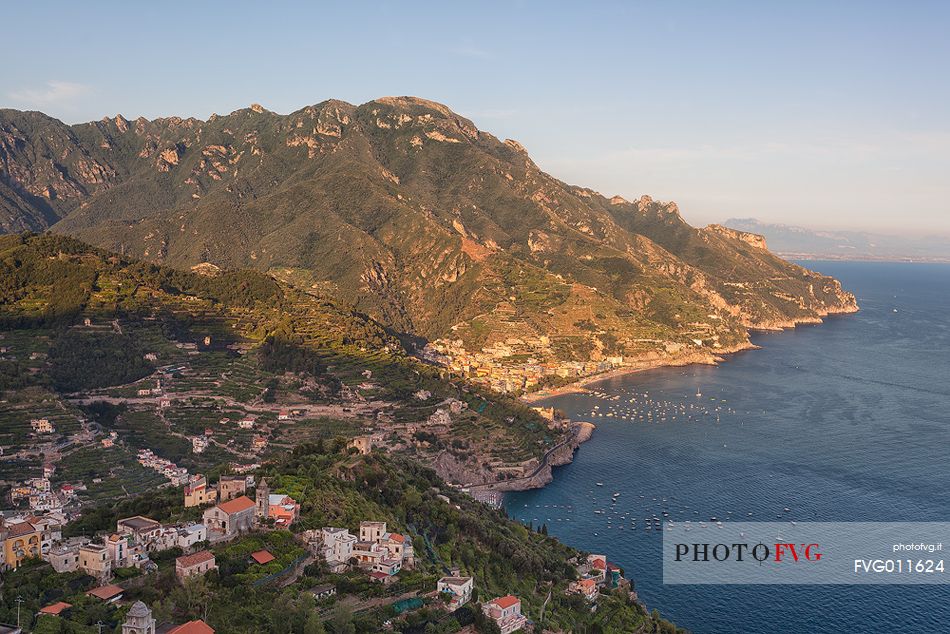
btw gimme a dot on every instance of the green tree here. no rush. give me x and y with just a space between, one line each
193 597
314 625
342 621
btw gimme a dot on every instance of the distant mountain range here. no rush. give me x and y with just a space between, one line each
801 243
407 211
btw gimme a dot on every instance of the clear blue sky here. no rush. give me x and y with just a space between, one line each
826 114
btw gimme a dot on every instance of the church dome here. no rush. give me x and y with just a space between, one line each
139 609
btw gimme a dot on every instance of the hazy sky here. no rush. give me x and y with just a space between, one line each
825 114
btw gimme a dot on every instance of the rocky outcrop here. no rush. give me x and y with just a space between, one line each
752 239
559 455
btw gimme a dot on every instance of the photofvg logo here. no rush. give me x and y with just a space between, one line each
743 551
805 553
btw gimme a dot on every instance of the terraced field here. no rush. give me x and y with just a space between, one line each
220 349
122 476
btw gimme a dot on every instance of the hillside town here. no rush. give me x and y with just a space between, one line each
519 365
172 476
230 513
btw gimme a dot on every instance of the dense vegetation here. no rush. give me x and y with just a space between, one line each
339 489
246 337
97 359
279 355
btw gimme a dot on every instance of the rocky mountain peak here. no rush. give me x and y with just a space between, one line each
410 213
413 103
753 239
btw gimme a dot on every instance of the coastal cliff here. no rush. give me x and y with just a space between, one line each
561 454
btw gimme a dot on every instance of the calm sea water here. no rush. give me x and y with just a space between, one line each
845 421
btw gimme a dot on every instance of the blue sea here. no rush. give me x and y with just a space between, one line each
844 421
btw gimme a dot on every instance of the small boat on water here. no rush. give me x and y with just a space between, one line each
600 484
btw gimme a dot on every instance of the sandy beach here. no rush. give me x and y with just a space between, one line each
700 358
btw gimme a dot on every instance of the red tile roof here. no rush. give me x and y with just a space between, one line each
506 601
187 561
396 537
56 608
262 557
20 529
237 505
193 627
106 592
599 564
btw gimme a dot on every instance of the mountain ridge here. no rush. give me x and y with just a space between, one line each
410 212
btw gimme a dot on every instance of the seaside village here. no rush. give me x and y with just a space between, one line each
228 513
524 364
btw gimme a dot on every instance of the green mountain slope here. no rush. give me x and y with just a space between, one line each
82 331
415 216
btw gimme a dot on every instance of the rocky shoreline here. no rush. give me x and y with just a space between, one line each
563 453
560 455
700 357
693 358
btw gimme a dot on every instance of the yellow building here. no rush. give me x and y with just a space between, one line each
21 541
198 493
94 560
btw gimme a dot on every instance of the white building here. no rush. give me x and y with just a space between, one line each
199 444
506 613
337 547
460 588
368 554
388 566
190 535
